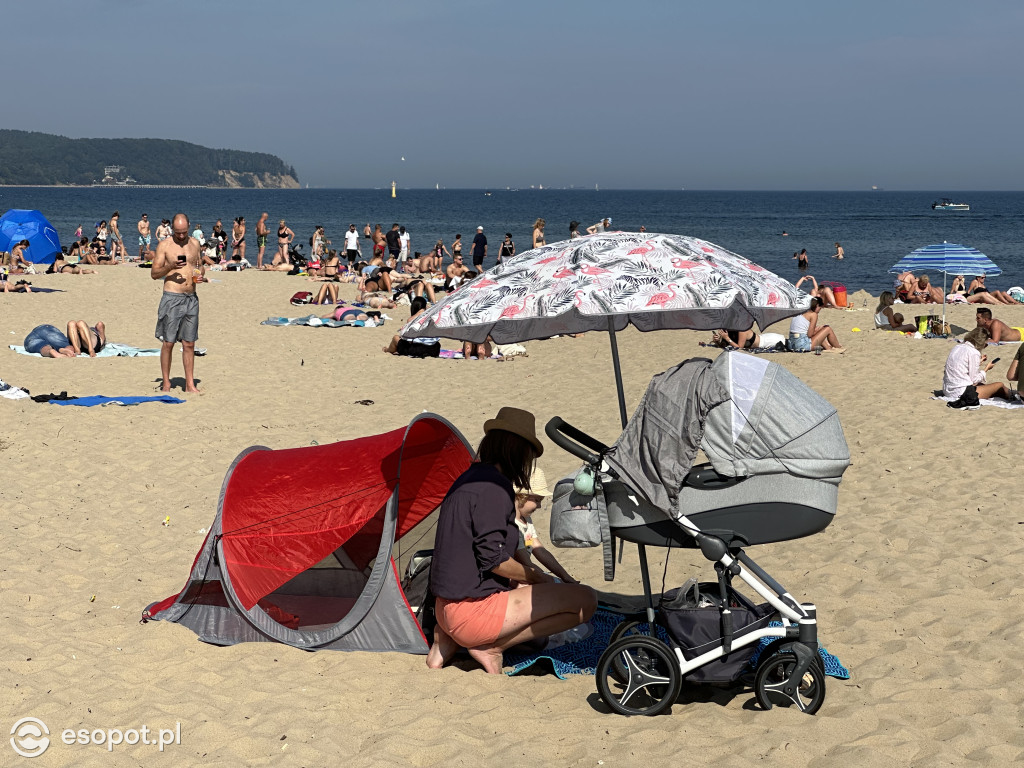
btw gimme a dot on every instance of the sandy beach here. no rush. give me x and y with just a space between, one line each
913 581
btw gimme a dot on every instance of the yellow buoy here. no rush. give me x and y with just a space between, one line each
392 189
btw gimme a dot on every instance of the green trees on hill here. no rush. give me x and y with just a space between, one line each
41 158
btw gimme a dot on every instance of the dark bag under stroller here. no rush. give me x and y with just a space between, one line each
692 617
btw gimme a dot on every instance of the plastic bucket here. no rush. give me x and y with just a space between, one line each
839 291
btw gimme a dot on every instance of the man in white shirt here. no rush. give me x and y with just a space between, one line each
352 244
403 238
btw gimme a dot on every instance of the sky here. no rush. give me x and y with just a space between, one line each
635 94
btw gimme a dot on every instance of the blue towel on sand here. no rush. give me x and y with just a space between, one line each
580 658
128 400
111 349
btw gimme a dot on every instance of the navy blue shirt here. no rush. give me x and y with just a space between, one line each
479 243
476 531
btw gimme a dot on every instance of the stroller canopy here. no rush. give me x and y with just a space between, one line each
749 416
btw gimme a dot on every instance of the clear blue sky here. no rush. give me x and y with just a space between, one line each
738 94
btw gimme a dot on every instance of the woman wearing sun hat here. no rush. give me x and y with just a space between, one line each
474 573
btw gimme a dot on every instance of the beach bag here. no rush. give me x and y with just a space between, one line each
692 616
580 520
302 297
1016 293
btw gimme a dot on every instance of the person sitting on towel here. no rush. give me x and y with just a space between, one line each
474 574
964 368
888 320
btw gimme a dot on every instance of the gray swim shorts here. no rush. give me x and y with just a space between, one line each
177 319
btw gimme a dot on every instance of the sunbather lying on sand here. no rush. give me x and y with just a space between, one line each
48 341
997 330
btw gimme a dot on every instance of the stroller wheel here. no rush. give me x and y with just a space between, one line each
627 628
638 675
772 686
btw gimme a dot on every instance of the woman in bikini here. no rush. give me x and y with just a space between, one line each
284 239
538 233
437 261
61 266
978 293
457 247
330 288
822 292
238 239
19 264
379 242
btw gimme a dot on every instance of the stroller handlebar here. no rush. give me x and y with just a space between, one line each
569 438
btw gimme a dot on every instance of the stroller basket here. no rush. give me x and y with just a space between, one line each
694 624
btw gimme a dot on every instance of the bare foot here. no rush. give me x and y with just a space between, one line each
488 658
165 387
194 390
442 650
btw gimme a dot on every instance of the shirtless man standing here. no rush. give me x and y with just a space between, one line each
177 264
144 237
261 238
997 329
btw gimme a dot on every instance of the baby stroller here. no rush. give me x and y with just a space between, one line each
776 455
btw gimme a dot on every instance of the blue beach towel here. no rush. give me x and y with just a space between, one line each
128 400
580 658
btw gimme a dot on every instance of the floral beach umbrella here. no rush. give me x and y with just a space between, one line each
607 281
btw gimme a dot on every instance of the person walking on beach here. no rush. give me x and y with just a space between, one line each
479 250
163 231
507 249
144 237
177 264
403 239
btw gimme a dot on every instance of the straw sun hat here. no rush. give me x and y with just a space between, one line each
518 422
538 484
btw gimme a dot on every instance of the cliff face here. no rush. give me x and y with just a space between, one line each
244 180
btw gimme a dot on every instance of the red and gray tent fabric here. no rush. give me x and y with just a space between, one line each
302 548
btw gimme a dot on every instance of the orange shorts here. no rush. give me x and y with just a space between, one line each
474 621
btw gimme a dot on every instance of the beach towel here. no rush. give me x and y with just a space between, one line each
998 402
580 658
452 354
126 400
111 349
316 322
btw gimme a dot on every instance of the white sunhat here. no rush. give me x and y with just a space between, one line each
538 484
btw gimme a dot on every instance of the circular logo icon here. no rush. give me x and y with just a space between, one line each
30 737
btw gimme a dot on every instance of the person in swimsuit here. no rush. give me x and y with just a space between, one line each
163 231
116 243
284 239
61 266
457 246
925 293
437 260
507 249
474 574
840 253
177 263
19 264
90 338
366 231
997 330
574 230
144 237
262 231
538 233
238 239
822 292
978 288
329 289
379 241
801 258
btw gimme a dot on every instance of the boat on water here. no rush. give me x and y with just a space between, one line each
945 204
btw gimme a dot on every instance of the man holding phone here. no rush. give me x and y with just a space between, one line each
177 263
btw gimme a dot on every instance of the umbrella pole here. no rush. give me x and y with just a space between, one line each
618 371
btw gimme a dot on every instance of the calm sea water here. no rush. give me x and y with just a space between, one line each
876 229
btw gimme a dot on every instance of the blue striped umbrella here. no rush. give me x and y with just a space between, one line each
950 258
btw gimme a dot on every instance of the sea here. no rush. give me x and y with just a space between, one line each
875 228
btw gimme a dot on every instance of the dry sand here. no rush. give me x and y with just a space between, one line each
915 580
